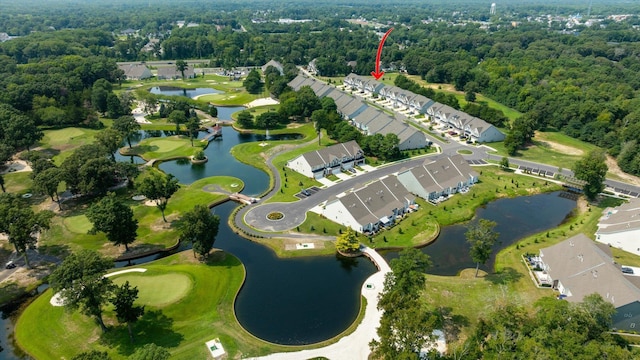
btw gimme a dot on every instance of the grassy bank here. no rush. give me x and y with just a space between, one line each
553 148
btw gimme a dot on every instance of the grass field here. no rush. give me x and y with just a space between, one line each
18 182
60 143
165 148
69 229
157 290
553 148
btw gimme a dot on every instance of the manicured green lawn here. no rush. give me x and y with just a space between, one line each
157 290
465 152
165 148
255 111
61 142
18 182
69 229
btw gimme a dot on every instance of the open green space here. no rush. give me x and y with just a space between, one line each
553 148
18 182
177 146
69 230
60 143
255 111
157 290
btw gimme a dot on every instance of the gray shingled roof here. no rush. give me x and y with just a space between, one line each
625 217
376 200
584 268
326 155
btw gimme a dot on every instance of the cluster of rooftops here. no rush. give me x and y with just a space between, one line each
476 128
380 203
369 120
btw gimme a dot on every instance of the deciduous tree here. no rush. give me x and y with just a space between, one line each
592 169
481 237
159 188
150 352
127 126
111 140
114 218
123 299
348 241
81 283
47 181
200 227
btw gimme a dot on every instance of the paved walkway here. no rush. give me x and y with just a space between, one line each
355 345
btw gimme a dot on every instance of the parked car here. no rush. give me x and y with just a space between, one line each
627 270
10 265
305 192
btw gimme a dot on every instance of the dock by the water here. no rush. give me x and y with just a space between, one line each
213 132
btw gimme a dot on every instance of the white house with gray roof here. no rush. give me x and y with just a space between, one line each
578 267
332 159
135 71
620 227
433 179
371 207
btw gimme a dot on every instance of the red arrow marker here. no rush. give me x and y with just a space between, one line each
377 73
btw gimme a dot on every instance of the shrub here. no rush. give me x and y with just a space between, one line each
200 155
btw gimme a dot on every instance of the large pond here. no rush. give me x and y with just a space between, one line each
178 91
516 219
306 300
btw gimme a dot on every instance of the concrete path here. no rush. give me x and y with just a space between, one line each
355 345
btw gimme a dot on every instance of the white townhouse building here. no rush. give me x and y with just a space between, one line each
620 227
332 159
371 207
579 266
433 179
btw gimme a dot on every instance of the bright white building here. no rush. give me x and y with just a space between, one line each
332 159
371 207
620 227
433 179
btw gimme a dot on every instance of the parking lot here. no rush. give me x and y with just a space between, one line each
308 192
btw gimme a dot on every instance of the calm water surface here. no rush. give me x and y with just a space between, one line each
516 218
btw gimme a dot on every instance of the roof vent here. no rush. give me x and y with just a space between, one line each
595 274
571 244
581 258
